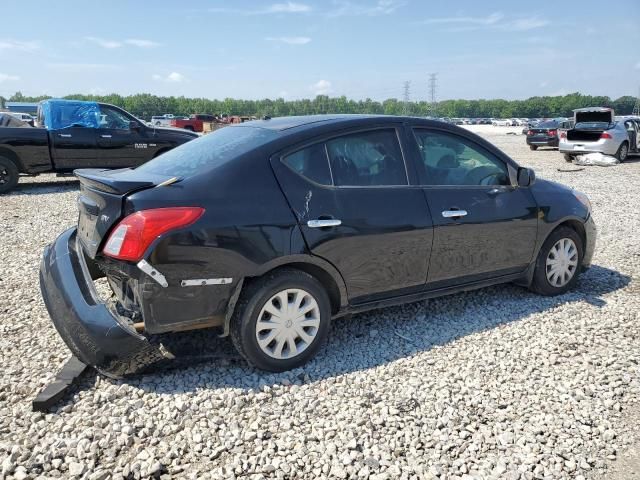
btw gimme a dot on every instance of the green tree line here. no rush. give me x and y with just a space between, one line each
145 105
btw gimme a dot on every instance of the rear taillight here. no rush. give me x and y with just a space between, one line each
605 135
530 132
133 235
553 133
563 134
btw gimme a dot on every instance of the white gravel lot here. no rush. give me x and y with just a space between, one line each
496 383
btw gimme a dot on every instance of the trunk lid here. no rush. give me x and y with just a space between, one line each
101 201
593 115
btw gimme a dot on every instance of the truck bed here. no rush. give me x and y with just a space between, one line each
33 144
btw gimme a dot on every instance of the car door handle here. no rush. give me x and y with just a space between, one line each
320 223
64 135
105 136
454 213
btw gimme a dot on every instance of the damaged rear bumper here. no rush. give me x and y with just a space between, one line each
91 331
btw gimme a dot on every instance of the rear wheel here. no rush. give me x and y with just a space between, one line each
622 152
568 158
9 175
558 263
281 320
533 147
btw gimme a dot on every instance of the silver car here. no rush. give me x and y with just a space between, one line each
596 130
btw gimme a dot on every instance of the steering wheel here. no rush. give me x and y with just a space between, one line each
484 176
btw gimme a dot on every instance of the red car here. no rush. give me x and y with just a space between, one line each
193 123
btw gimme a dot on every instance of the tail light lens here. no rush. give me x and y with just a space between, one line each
605 135
553 133
133 235
563 134
530 132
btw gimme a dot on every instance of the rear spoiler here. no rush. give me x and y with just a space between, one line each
121 181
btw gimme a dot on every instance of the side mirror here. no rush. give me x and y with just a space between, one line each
133 125
526 177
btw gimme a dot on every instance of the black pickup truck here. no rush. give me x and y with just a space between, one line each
73 134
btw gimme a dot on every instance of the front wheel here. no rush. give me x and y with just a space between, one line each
533 147
281 320
9 175
558 263
568 158
622 152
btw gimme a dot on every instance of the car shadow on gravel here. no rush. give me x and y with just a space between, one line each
363 341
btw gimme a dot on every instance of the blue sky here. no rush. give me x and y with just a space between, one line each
297 49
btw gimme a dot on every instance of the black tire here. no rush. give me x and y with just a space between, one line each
254 297
533 147
9 174
568 158
623 152
541 284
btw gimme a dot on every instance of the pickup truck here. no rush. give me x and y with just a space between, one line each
74 134
193 123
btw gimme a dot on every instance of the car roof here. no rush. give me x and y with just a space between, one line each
593 109
300 122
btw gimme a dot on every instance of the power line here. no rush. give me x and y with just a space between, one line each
406 97
433 100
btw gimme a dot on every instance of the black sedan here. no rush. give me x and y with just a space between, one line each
545 134
270 229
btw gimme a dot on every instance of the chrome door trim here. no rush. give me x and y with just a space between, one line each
330 222
454 213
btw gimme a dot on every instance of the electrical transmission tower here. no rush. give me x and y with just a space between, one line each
433 87
406 96
636 108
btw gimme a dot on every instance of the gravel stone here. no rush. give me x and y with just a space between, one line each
495 383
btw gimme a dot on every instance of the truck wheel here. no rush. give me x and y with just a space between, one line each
568 158
558 263
281 320
9 174
533 147
622 152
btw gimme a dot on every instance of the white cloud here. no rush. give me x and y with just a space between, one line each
544 84
288 7
173 77
290 40
5 77
139 42
104 43
380 7
18 45
496 20
111 44
492 19
321 87
524 24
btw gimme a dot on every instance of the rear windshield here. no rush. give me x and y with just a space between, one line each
210 151
549 124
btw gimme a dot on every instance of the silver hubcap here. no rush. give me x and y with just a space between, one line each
562 262
288 323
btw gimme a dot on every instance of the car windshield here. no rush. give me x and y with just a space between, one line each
549 124
210 151
592 125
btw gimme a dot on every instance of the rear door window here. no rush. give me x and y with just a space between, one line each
311 163
365 159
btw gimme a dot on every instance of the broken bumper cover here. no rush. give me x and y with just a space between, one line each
91 331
